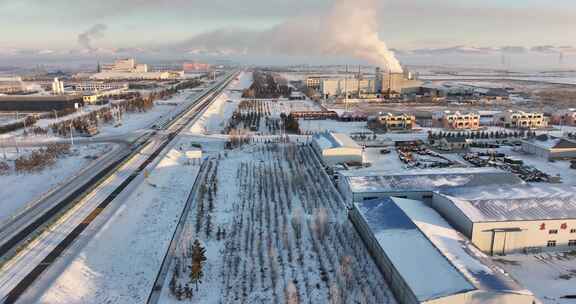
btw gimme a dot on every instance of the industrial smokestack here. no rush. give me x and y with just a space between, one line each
349 28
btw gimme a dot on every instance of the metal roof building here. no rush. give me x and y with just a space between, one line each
426 261
337 148
502 220
418 184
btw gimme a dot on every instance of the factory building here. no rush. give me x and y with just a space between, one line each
550 147
57 87
519 219
43 103
396 82
128 65
354 87
417 184
138 75
96 86
337 148
456 120
495 210
359 87
521 120
11 85
425 260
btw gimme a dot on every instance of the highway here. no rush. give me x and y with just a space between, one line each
55 228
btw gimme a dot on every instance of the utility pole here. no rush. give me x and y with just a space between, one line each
71 135
346 89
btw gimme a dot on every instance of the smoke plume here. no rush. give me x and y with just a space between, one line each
95 32
349 28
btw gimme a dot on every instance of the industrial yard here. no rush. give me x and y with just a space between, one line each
247 152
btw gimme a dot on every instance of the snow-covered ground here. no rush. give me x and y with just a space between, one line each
117 260
285 233
131 122
559 167
288 106
315 126
550 276
216 116
18 190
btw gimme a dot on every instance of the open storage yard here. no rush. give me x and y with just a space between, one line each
551 276
276 231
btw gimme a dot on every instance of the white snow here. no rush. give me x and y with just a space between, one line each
549 275
216 116
16 194
119 262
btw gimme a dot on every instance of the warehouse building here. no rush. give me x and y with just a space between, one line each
39 103
425 260
503 220
550 147
137 76
337 148
418 184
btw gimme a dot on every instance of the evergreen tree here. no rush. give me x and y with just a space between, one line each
198 260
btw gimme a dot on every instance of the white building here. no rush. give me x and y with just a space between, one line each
128 65
501 220
352 86
549 147
418 184
57 87
138 75
11 85
96 86
335 148
425 260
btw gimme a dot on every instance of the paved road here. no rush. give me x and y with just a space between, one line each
13 225
23 269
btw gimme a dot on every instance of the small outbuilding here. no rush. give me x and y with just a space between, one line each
336 148
550 147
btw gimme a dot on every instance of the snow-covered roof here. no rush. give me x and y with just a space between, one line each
329 140
551 142
434 259
428 180
519 203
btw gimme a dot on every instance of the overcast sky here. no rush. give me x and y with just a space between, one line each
475 32
403 23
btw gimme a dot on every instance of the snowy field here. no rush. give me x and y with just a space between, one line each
288 106
117 259
18 190
131 122
215 118
317 126
550 276
274 230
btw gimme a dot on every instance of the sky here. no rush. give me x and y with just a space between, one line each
405 25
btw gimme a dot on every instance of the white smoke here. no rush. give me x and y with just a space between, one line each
349 28
85 39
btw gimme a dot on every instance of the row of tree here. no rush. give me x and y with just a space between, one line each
40 159
481 134
195 270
